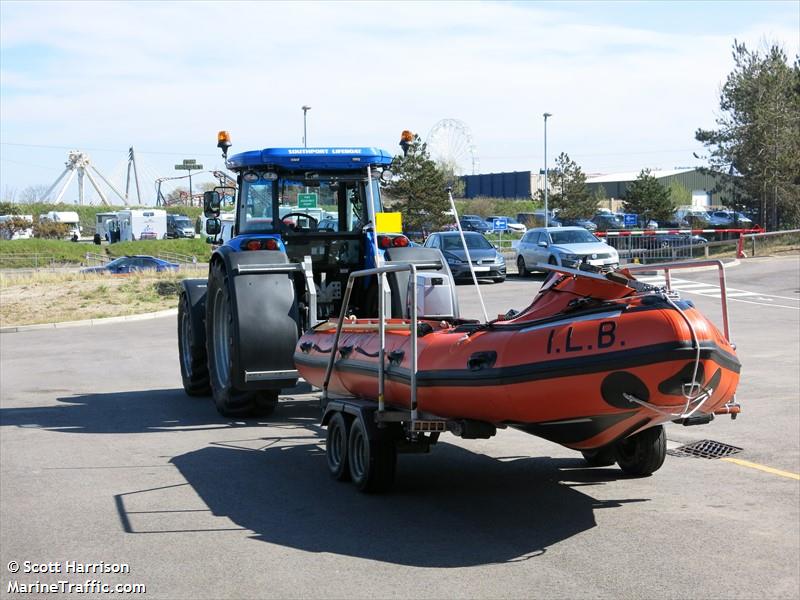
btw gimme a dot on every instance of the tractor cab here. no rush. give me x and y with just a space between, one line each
283 194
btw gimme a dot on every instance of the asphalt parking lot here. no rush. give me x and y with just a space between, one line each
104 459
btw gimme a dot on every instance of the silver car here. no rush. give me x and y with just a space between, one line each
563 246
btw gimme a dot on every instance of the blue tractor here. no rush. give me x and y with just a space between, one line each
279 273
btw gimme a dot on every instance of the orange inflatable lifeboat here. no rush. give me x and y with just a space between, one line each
591 361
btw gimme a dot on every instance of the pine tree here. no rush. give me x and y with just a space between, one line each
570 195
649 199
757 144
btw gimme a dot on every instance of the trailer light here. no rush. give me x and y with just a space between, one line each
400 241
253 245
270 244
384 241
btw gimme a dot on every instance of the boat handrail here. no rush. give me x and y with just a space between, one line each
386 268
667 267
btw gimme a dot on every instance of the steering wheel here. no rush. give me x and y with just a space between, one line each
312 222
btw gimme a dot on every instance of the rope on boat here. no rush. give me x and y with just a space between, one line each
702 395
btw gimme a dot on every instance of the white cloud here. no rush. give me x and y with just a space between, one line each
166 76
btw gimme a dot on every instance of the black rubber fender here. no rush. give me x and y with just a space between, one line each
265 317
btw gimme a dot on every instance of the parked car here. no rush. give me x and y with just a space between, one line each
486 260
133 264
606 221
513 224
564 246
694 218
728 219
673 240
585 223
474 223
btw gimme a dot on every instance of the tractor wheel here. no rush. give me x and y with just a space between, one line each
192 352
220 344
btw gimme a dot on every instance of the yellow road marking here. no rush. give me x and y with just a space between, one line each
766 469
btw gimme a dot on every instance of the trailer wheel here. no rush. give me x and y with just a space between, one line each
643 453
602 457
192 353
372 461
220 332
336 447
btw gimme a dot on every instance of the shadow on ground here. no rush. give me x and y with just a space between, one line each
453 508
145 411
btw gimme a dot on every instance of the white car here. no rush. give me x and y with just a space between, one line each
563 246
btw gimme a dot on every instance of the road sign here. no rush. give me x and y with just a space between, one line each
630 220
307 200
500 224
188 167
189 161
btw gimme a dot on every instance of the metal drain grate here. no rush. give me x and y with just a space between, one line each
705 449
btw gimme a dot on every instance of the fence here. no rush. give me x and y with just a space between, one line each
28 261
181 259
763 240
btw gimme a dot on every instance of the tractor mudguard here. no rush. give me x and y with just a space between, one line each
265 318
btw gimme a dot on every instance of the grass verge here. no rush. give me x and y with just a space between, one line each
30 298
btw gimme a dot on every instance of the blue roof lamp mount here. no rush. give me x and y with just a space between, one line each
319 159
304 158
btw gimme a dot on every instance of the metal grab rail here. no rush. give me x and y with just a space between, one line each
387 268
667 267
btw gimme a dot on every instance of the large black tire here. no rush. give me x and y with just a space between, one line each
523 270
372 462
336 447
191 352
220 332
642 454
602 457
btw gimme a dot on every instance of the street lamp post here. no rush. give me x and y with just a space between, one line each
305 138
546 213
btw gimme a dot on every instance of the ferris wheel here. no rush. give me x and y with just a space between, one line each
450 144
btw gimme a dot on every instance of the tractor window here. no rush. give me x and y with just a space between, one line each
256 206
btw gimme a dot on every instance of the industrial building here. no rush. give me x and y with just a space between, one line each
525 185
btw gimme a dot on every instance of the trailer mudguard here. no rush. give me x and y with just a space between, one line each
398 282
195 290
265 319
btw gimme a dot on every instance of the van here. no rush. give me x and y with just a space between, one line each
179 226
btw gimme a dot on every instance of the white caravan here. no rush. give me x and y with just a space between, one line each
144 224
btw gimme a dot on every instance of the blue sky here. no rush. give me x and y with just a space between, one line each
628 83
